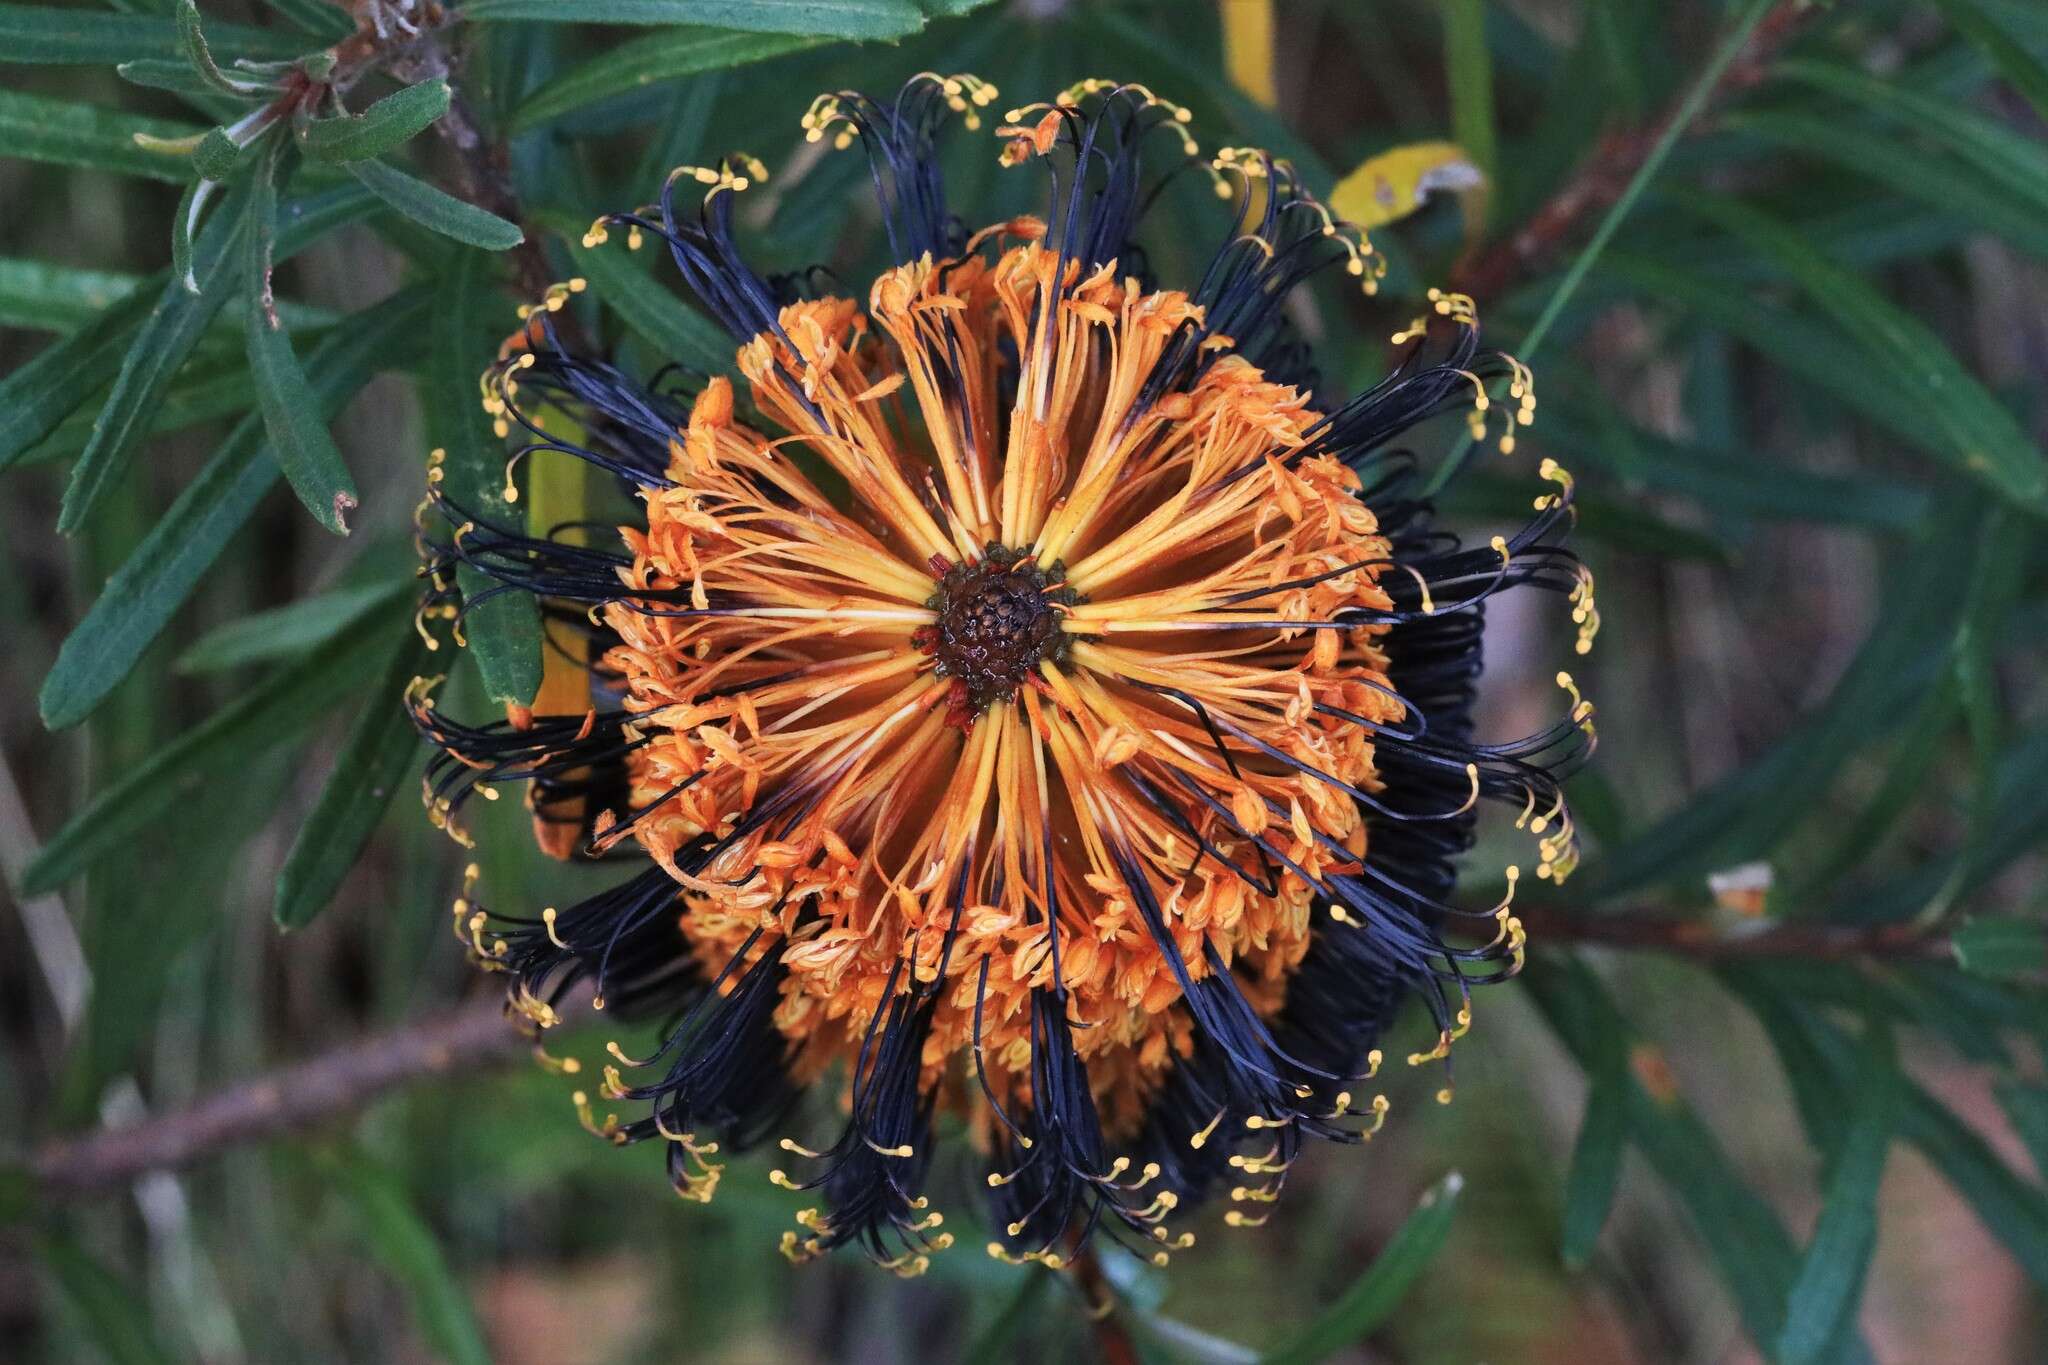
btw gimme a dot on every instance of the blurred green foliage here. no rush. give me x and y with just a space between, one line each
1793 344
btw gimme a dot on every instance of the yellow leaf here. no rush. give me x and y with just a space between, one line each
1248 48
1400 180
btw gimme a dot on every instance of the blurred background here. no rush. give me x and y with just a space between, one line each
1771 1087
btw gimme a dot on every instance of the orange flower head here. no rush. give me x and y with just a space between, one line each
1033 697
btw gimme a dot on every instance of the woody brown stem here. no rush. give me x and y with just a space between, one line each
321 1089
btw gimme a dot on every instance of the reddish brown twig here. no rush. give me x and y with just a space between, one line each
321 1089
1491 270
1112 1339
1711 940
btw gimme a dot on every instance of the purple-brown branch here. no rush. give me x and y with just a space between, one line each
300 1096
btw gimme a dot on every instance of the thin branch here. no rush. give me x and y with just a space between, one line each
1613 164
334 1085
322 1089
1715 941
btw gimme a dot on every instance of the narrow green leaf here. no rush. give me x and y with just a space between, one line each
377 755
502 629
41 393
997 1341
1744 1239
1468 72
662 56
2012 61
1977 434
50 388
277 710
1751 484
2015 1211
299 438
192 39
1901 166
2011 949
114 1315
408 1248
676 332
178 77
2027 1106
326 20
2013 160
384 126
141 596
1379 1289
159 349
1980 635
438 212
1743 816
41 296
41 34
1904 784
1830 1282
1596 1156
64 133
268 636
821 18
2018 807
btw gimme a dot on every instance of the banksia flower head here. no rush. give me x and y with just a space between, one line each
1036 709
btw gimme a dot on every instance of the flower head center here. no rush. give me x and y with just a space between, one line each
998 616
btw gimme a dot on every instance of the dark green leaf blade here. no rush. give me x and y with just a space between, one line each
376 755
1824 1296
823 18
299 439
278 709
387 124
2012 159
111 1312
49 388
1899 165
1596 1156
64 133
1743 1237
502 630
2006 948
1978 436
663 56
2013 61
325 20
141 596
1365 1304
159 349
268 636
401 1239
73 36
435 211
